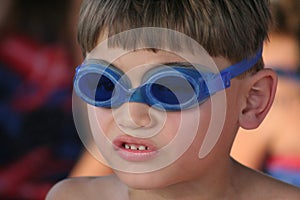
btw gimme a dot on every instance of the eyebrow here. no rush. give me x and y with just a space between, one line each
183 64
97 61
101 61
196 66
170 64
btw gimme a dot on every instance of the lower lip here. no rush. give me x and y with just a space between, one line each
136 155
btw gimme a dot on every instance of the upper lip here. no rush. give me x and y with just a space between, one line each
120 141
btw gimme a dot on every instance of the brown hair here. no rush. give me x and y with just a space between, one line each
232 29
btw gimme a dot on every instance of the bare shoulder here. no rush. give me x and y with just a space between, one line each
87 188
252 184
261 186
280 190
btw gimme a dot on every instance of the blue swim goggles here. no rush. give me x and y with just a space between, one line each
172 87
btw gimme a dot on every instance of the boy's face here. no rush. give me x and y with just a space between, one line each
134 126
144 137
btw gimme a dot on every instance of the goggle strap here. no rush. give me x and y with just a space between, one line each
222 81
219 82
241 67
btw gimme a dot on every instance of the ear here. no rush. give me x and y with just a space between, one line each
260 92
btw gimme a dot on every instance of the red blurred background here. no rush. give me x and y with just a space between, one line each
38 54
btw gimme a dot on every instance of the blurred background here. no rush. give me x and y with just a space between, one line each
38 55
274 147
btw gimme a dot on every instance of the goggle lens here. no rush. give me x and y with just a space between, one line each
172 90
105 89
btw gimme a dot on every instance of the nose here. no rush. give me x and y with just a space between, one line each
134 115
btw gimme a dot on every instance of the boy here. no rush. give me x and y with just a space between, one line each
164 113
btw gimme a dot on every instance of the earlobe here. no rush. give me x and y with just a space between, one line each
260 92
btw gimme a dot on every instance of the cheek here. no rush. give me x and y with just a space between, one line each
189 123
234 100
104 119
171 125
203 124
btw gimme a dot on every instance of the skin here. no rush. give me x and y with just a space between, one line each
141 119
217 176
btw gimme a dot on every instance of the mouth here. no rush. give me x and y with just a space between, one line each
134 149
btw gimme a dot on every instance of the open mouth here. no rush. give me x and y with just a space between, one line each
134 149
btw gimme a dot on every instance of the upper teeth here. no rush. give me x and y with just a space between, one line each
134 147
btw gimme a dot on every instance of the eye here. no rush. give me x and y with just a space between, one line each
104 90
172 90
96 86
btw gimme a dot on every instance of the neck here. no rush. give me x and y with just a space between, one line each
214 184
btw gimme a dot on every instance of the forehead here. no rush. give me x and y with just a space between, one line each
148 46
149 59
146 58
127 60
